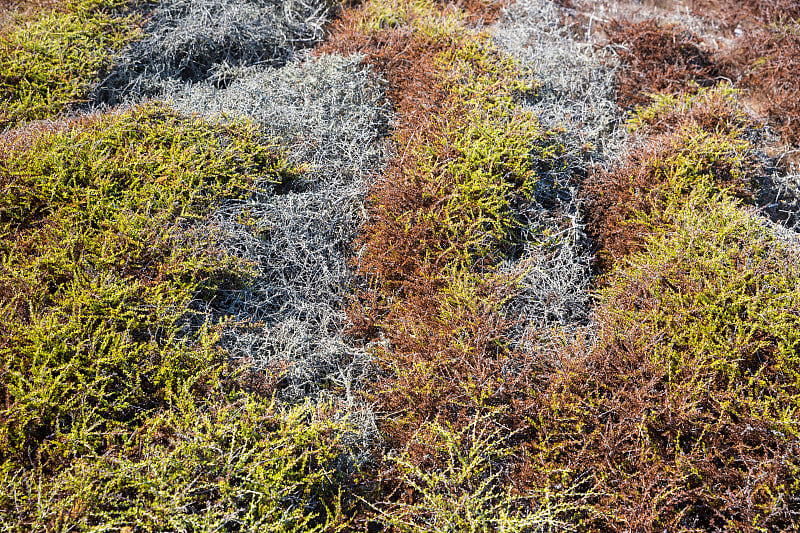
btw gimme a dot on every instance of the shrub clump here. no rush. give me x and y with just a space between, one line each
684 415
457 205
766 61
748 12
49 60
685 142
117 404
468 492
191 40
659 58
328 115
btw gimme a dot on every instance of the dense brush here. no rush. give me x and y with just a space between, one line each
188 40
328 115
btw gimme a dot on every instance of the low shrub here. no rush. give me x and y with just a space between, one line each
686 142
194 40
747 12
231 462
684 417
328 115
468 493
118 407
50 59
452 207
766 61
659 58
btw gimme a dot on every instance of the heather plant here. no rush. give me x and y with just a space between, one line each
50 59
660 58
764 62
454 207
118 406
684 142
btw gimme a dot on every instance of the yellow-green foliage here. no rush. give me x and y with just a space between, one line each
468 494
418 15
49 60
116 406
695 379
715 285
496 150
223 463
686 143
715 109
723 297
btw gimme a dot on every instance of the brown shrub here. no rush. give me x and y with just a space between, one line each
659 58
772 10
649 461
747 12
680 419
447 357
624 202
768 62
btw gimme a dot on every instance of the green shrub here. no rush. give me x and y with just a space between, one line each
684 417
469 493
49 60
117 406
695 142
723 297
226 463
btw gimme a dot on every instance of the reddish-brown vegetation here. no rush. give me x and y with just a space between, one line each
767 62
677 418
659 57
684 135
674 420
660 447
746 12
447 357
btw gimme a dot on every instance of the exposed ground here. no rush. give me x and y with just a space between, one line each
399 265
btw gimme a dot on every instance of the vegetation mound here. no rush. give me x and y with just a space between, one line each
328 115
50 59
190 40
430 276
118 408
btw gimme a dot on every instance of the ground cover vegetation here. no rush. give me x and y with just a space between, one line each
459 205
329 115
676 242
118 408
699 163
193 40
563 296
177 384
760 56
50 57
694 288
